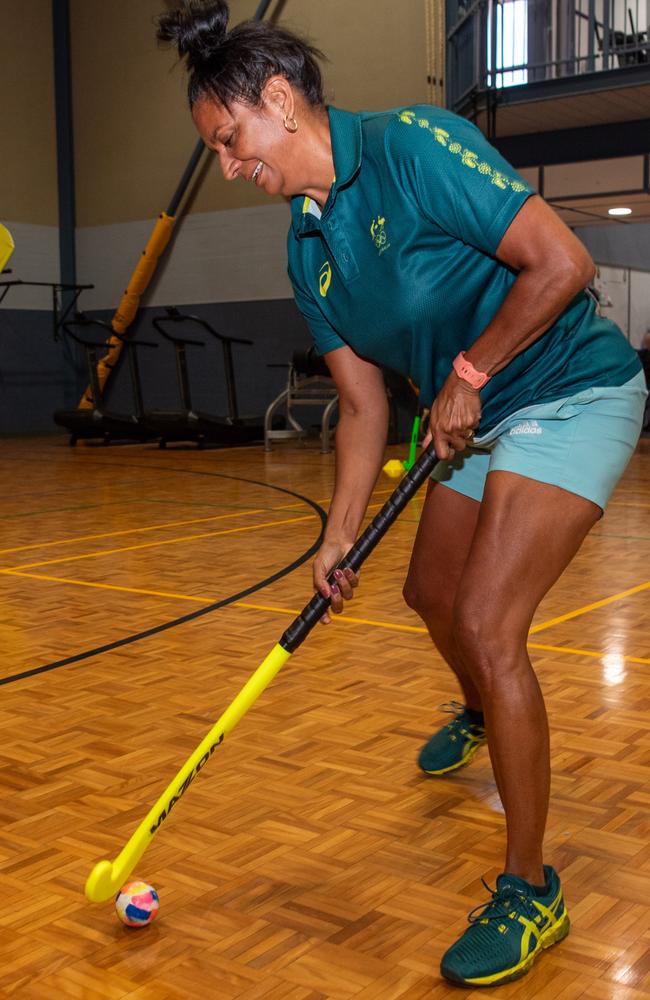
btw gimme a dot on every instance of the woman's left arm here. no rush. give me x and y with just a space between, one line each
553 266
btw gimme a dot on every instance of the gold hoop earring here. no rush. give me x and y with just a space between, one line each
290 124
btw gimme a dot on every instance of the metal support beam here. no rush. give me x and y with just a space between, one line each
64 140
72 383
565 40
592 142
606 36
569 86
591 62
539 21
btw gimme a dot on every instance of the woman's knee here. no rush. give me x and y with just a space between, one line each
489 645
431 603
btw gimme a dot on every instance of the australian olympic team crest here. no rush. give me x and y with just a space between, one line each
378 233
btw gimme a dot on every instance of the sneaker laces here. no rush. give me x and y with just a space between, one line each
454 708
458 710
500 905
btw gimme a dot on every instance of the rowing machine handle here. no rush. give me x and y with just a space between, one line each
364 545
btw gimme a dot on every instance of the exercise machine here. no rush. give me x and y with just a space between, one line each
96 421
186 423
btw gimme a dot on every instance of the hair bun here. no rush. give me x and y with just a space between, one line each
197 28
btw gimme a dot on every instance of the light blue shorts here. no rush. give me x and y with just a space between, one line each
581 443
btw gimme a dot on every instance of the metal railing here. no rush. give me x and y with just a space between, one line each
493 44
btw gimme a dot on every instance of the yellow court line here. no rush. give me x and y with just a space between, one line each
343 618
151 527
414 628
585 652
165 541
157 527
128 531
393 626
110 586
589 607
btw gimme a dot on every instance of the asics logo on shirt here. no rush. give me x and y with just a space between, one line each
325 278
378 233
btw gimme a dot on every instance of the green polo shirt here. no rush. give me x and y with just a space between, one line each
401 263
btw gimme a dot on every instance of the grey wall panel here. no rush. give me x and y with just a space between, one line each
36 258
620 246
32 380
230 256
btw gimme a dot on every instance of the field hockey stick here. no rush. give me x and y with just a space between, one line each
6 246
107 877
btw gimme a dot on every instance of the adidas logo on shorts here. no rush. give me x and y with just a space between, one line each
526 427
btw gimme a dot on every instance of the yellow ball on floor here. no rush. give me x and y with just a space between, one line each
394 468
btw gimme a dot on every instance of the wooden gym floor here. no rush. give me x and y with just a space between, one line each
310 860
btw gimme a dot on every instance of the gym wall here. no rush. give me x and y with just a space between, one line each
133 138
28 182
31 364
625 297
28 189
620 246
134 135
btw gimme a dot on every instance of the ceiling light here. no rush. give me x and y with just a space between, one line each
619 211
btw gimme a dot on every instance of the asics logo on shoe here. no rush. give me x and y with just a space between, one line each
506 934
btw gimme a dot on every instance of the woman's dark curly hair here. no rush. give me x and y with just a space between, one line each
234 65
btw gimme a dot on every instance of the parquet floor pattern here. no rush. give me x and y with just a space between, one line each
310 860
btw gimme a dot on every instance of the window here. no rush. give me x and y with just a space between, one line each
507 43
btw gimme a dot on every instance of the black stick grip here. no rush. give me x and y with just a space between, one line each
312 613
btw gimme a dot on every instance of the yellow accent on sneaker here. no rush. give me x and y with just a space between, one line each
552 935
470 751
506 934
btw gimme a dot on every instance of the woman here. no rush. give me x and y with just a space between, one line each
414 245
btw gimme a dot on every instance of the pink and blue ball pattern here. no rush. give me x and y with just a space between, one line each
137 904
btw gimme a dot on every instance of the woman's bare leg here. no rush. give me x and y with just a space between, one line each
526 535
440 551
477 574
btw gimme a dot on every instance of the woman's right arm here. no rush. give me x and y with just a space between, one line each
360 441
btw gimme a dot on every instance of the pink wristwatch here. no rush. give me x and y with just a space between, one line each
466 370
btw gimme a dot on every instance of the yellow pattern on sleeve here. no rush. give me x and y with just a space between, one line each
468 157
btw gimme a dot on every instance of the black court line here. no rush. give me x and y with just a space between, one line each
165 626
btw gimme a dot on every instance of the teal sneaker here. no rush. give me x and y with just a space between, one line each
505 935
454 745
